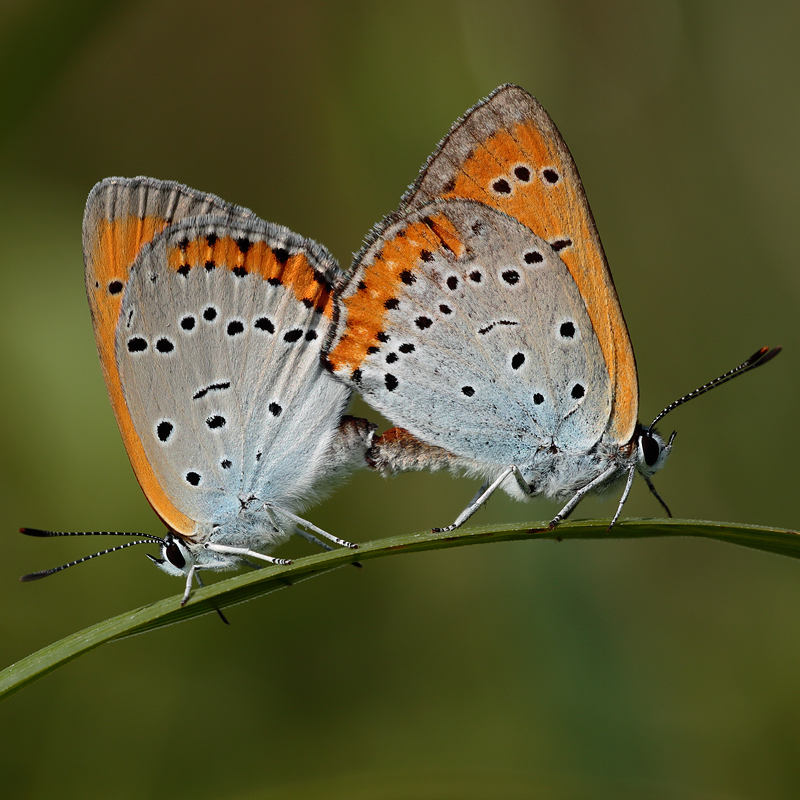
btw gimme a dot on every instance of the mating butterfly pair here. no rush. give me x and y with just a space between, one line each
481 318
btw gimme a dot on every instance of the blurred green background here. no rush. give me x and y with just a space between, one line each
656 669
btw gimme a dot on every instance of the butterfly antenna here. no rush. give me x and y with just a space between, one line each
756 360
34 576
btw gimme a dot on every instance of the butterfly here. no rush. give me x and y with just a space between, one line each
209 323
481 318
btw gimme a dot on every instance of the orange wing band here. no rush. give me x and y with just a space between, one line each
115 248
366 308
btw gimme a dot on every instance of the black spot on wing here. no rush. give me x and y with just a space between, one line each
137 344
550 175
567 330
502 186
522 173
533 257
212 387
164 430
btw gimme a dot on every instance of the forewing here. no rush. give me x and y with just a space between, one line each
506 152
122 216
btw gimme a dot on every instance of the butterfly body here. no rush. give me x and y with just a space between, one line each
550 473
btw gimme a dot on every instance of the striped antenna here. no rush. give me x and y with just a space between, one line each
35 576
756 360
148 539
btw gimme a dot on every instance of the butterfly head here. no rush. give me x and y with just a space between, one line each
652 451
176 559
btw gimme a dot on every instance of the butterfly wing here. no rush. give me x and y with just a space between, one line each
220 390
122 215
467 329
507 153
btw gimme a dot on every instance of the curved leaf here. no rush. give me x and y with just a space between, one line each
254 584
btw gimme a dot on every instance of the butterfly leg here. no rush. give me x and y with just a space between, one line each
189 578
202 585
310 526
309 537
479 493
251 564
243 551
625 493
484 493
578 496
194 572
657 495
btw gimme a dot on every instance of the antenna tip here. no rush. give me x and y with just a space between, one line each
765 354
34 576
34 532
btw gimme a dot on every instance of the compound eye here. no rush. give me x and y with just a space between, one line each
174 555
651 449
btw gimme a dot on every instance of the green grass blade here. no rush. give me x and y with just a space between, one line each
249 585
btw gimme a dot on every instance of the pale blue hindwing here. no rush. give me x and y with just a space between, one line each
490 369
228 401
